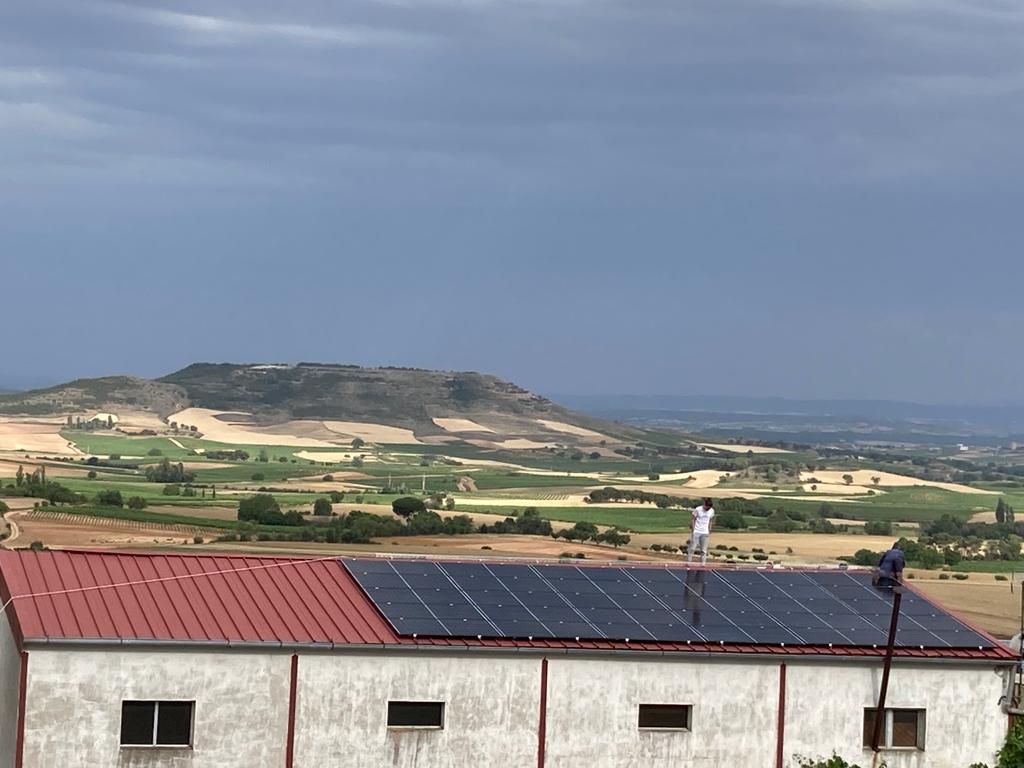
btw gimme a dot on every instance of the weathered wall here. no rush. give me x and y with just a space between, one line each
491 712
10 680
73 707
825 710
592 713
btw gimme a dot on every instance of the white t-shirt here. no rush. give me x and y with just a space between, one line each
702 519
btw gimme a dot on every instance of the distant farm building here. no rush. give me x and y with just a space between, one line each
254 662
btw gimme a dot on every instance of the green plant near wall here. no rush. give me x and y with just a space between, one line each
831 762
1012 753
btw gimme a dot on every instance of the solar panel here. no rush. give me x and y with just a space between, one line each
498 600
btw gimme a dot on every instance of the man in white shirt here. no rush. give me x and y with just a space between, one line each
700 531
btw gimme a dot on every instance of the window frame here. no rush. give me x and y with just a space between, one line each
687 708
156 723
440 726
887 729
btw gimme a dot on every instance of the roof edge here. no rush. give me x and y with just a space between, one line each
970 657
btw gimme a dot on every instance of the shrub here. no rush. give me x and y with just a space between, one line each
136 502
337 497
832 762
264 510
257 477
760 557
407 506
154 452
197 540
328 478
172 489
730 520
322 508
37 546
959 576
1000 577
878 528
944 577
91 474
485 546
110 498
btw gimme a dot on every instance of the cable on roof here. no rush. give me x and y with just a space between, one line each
179 577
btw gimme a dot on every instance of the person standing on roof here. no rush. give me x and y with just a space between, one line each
890 567
700 531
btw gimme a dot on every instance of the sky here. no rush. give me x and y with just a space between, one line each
802 198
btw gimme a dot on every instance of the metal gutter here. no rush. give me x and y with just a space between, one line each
507 650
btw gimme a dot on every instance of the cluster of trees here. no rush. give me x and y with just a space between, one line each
35 485
263 509
583 531
227 455
176 489
616 495
529 523
354 527
166 472
933 551
1004 512
88 425
113 498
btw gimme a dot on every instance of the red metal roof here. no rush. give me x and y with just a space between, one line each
118 597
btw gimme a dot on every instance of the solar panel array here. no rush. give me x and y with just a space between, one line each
505 600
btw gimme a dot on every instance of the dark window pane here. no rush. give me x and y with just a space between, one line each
664 716
869 729
174 723
416 713
137 722
904 727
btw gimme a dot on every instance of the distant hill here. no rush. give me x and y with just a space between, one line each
96 395
274 394
808 420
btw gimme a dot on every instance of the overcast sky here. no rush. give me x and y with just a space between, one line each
807 198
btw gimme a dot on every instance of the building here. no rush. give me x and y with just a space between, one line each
253 662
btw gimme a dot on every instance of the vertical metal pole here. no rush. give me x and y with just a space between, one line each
897 596
293 686
542 723
780 737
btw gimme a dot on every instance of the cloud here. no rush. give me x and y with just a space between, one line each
217 30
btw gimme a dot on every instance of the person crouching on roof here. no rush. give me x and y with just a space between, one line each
700 531
890 567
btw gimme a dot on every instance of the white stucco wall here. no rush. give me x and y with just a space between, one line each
593 707
491 712
492 709
10 681
964 723
73 707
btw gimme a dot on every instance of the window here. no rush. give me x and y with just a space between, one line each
415 714
156 723
664 717
901 729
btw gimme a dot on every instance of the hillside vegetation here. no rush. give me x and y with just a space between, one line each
273 394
